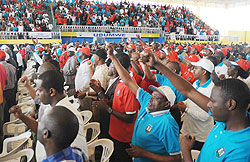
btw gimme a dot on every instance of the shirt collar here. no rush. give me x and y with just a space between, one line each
157 113
203 85
59 155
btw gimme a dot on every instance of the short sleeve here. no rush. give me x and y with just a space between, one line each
131 105
160 78
143 97
171 139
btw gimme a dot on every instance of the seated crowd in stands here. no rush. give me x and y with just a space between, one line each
171 19
144 95
20 16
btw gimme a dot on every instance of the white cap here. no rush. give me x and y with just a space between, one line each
205 64
71 49
211 49
165 91
15 49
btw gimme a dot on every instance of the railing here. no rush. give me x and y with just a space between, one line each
190 37
29 35
117 29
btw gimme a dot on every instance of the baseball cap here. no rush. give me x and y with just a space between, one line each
211 49
71 49
165 91
242 63
198 48
205 64
85 50
101 53
178 48
2 54
192 58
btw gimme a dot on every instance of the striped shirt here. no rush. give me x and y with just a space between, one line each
67 155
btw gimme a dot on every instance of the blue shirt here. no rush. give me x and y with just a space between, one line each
225 145
155 132
163 81
65 155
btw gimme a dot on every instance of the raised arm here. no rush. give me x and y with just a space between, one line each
184 87
123 73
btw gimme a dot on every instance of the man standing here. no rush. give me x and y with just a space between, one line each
156 134
9 90
50 92
197 122
53 133
69 70
228 104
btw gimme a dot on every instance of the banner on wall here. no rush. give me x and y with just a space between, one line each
107 35
40 34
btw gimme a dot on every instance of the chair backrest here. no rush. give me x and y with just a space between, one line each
14 129
87 115
14 144
17 156
95 126
108 148
195 154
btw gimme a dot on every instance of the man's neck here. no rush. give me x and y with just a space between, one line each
238 122
56 100
51 150
203 80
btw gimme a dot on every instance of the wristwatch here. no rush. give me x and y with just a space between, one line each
110 110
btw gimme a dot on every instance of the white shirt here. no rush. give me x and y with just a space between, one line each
80 140
197 122
19 59
101 74
82 76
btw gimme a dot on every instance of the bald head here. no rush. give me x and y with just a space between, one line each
45 67
55 125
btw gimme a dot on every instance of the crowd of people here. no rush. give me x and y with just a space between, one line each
171 19
145 96
20 16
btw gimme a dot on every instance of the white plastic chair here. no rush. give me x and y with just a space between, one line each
87 115
75 102
108 148
14 144
11 128
29 153
95 126
195 154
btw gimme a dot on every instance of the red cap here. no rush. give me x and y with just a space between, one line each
2 54
133 46
198 48
85 50
179 47
171 46
193 58
229 48
243 64
224 51
64 45
39 49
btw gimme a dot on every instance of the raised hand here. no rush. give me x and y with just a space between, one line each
16 110
95 85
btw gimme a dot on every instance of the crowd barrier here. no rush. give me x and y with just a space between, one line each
117 29
190 37
29 35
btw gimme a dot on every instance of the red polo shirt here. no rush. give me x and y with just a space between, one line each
125 102
3 76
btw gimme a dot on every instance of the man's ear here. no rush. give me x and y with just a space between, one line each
231 104
46 134
167 104
52 92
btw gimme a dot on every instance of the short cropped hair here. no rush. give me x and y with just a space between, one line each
52 79
235 89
